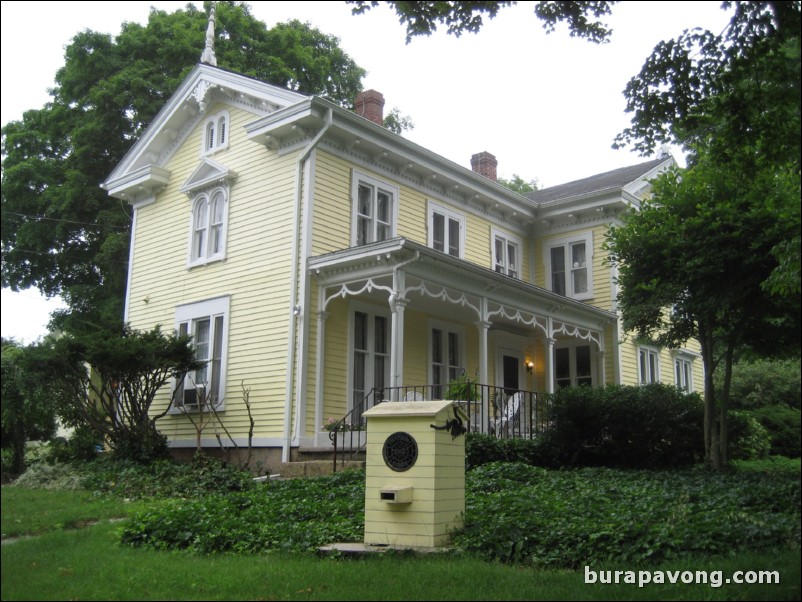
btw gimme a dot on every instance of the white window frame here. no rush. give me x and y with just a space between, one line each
214 228
377 186
448 370
502 265
572 346
569 269
372 311
187 318
645 355
683 371
448 244
216 133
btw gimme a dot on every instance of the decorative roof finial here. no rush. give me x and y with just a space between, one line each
208 56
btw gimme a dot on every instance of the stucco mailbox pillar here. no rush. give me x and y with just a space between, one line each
415 474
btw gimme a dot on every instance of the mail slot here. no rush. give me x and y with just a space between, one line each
395 494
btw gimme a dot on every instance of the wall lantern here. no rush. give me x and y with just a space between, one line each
530 365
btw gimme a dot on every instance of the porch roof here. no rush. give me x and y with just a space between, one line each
492 296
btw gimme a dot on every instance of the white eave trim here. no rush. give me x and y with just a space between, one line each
142 181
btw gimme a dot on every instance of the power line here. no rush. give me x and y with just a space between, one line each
64 221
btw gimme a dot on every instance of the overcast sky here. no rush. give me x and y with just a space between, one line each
547 106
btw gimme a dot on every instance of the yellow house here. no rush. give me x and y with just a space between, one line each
320 260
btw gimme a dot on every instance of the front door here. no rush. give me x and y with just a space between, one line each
508 370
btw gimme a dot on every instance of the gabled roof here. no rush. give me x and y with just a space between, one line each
618 179
203 86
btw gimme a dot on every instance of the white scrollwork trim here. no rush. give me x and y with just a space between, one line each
346 290
580 333
533 320
443 295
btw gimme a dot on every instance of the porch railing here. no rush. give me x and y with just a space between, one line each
497 411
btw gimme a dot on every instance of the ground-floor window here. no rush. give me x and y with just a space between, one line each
573 365
371 353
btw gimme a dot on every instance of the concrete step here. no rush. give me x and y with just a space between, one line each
314 468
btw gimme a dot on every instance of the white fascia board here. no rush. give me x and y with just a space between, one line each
127 184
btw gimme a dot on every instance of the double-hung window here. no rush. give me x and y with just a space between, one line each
209 213
375 207
215 132
446 230
573 365
648 365
683 373
506 254
569 266
445 356
207 323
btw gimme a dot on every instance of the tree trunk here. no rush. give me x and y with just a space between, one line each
725 402
712 455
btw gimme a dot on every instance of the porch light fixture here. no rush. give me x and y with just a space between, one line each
530 365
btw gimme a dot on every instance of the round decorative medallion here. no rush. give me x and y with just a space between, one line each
400 451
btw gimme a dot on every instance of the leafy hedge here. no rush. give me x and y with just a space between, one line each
526 514
764 383
514 513
784 426
295 515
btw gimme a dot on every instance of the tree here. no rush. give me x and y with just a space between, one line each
692 263
518 184
28 412
60 232
109 381
423 18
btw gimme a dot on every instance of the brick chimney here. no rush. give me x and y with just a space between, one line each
485 165
370 105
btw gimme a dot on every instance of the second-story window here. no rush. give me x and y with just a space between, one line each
446 230
570 267
215 133
506 254
209 213
648 365
374 210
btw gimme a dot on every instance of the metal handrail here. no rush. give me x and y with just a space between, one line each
497 411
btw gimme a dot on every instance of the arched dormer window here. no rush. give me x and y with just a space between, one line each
209 213
215 132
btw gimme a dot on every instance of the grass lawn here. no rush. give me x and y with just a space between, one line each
87 562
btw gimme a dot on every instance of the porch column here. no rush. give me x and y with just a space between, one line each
602 375
320 348
481 421
550 364
397 305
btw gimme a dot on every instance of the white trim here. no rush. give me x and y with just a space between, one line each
449 214
688 358
509 239
357 178
566 243
129 278
220 136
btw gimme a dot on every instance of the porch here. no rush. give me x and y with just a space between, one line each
397 311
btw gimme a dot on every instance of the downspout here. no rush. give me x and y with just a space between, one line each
295 310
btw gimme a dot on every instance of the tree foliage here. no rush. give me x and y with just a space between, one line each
27 409
519 185
109 381
692 263
60 232
423 18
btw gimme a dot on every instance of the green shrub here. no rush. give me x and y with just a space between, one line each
764 383
44 475
569 518
747 438
288 516
655 426
482 449
81 446
784 425
164 478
